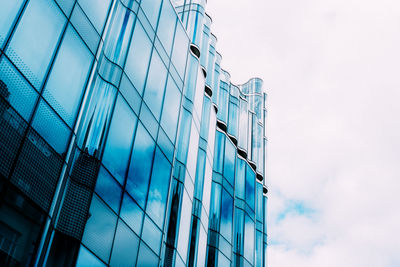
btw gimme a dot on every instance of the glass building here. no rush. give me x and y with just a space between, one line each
122 140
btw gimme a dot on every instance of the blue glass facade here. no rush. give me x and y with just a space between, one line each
123 142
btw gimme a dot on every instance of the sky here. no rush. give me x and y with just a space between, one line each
331 69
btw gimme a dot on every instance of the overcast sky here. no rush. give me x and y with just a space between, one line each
332 72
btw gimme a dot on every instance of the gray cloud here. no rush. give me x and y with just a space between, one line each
332 72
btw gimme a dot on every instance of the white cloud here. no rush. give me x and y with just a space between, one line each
332 71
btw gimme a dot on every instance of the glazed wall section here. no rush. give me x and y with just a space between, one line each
123 142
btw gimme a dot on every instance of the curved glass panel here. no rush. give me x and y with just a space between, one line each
223 102
215 208
219 149
233 118
40 27
226 215
240 178
250 187
229 162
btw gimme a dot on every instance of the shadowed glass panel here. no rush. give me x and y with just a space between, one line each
108 189
87 259
226 215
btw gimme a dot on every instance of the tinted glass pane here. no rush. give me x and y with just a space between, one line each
166 27
51 128
119 141
65 86
205 118
249 239
139 170
155 84
87 259
169 119
151 8
229 163
184 226
40 27
100 227
151 235
108 189
226 215
250 187
158 188
179 53
131 213
184 134
8 11
200 170
126 246
240 178
238 234
96 11
215 208
219 151
146 257
138 57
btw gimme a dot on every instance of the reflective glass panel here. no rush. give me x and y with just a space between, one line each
151 8
8 11
155 84
119 141
250 187
215 208
87 259
147 258
159 185
180 50
184 226
40 27
96 11
170 113
240 178
219 151
108 189
126 246
139 170
166 26
226 215
138 57
249 239
229 163
238 234
200 171
131 213
67 79
99 230
151 235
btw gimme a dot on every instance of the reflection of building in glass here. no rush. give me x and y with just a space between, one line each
123 142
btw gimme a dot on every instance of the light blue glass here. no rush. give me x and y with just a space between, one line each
138 57
51 128
40 27
259 249
155 85
119 141
215 208
151 8
159 185
226 215
87 259
240 178
8 12
184 226
151 235
180 50
233 117
250 187
249 239
200 171
184 134
223 260
238 237
96 11
166 27
141 161
165 144
205 118
146 258
219 151
170 113
131 213
65 86
223 100
229 162
108 189
126 246
99 230
259 202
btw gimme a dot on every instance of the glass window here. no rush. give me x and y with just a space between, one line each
51 128
233 119
151 8
184 226
205 118
8 12
250 187
184 134
259 202
166 27
151 235
96 11
40 27
87 259
170 113
146 257
239 235
165 144
138 57
131 213
219 151
108 189
99 230
180 50
139 170
200 171
229 163
155 84
126 246
249 239
226 215
215 208
159 185
119 141
65 86
240 178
